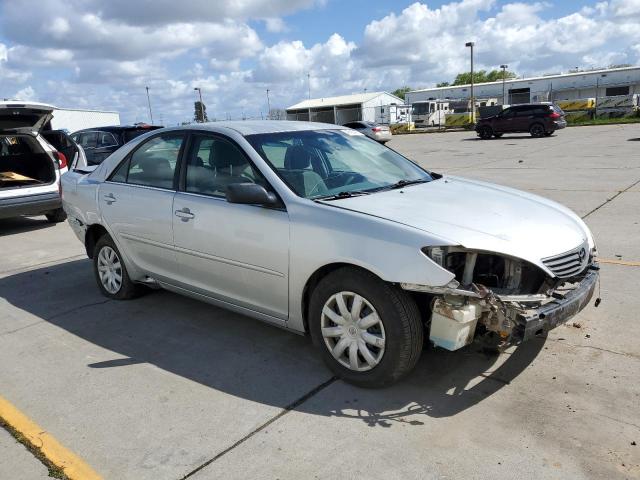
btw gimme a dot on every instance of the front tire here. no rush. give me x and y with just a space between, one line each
111 273
485 133
56 216
498 135
369 333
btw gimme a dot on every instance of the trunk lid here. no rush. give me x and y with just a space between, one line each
22 117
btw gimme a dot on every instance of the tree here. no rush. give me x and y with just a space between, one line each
479 76
443 84
400 92
200 114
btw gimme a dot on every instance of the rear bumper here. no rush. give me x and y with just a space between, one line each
29 205
547 317
382 136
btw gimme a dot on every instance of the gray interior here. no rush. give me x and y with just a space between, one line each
23 155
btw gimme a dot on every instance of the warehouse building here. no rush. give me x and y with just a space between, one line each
551 88
342 109
74 119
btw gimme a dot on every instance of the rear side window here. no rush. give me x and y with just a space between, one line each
106 139
88 139
153 164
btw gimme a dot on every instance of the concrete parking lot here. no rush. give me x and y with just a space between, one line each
164 387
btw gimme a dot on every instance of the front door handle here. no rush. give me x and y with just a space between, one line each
109 198
184 214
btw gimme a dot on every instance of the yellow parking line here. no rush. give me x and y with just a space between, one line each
619 262
73 466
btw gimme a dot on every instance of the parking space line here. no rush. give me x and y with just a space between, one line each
619 262
42 441
608 200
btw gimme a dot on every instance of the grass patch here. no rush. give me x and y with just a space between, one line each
604 121
54 470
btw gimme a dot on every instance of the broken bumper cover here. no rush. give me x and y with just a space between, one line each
531 322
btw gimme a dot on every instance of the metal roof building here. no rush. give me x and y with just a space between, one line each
567 86
342 109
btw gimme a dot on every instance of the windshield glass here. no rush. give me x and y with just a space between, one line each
323 163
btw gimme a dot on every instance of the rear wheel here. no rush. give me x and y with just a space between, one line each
369 333
485 133
537 130
498 135
548 134
56 216
111 273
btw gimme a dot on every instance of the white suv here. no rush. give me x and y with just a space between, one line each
30 168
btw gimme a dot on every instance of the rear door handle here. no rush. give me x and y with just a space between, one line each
109 198
184 214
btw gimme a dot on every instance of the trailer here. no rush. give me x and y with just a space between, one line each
429 113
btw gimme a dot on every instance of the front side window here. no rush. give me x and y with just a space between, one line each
88 139
324 163
215 163
106 139
153 164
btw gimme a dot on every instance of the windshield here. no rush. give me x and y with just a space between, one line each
325 163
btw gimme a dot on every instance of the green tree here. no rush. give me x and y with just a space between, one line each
400 92
200 113
480 76
443 84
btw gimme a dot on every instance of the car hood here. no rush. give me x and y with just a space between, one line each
480 216
20 117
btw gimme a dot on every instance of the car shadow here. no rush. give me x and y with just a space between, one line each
244 357
11 226
633 140
506 137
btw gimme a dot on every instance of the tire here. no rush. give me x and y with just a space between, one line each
105 255
537 130
548 134
485 133
56 216
498 135
394 342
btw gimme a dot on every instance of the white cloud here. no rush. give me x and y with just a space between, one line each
275 25
27 93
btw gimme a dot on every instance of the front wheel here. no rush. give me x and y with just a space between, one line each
56 216
537 130
498 135
111 273
369 333
548 134
485 133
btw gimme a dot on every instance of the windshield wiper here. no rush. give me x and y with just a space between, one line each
403 183
345 194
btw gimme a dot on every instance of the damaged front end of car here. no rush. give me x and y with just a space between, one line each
506 298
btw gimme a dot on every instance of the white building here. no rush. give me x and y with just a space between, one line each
567 86
73 119
342 109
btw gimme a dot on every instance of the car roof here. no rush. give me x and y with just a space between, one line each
252 127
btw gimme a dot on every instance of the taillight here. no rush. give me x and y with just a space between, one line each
376 129
62 160
555 115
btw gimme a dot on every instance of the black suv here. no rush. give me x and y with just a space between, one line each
539 119
98 143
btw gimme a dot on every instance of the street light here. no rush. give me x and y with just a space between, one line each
268 106
473 103
504 75
149 102
201 104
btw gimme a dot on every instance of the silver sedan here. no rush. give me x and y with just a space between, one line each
379 133
320 230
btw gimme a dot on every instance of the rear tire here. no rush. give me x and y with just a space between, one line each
111 272
498 135
485 133
548 134
56 216
537 130
369 333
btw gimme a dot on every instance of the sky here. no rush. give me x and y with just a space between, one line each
101 54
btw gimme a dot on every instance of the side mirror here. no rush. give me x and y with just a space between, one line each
250 194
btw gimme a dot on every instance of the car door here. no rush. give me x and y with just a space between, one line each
505 122
106 144
523 118
235 253
136 202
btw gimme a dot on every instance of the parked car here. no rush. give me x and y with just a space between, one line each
99 143
318 229
30 167
379 133
62 142
538 119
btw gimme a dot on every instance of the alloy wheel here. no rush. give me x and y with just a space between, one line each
110 270
353 331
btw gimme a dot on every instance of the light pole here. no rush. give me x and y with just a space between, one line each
268 106
309 83
149 102
473 103
201 104
504 76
